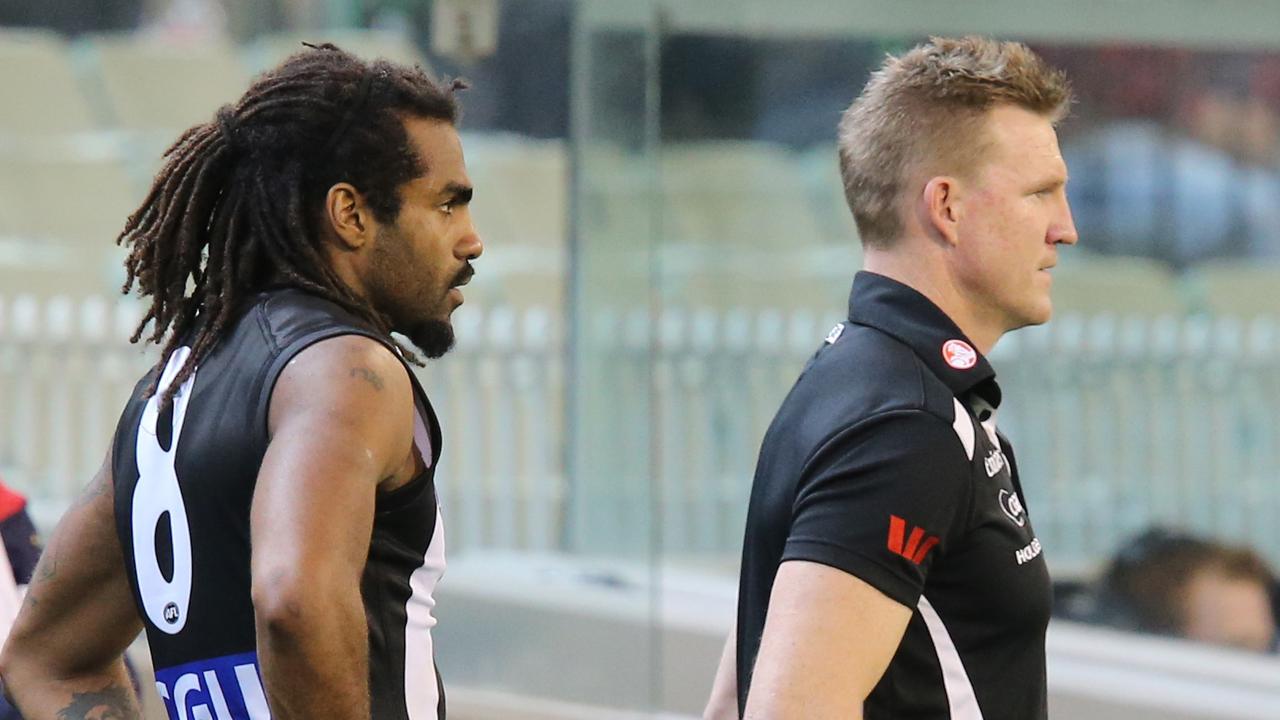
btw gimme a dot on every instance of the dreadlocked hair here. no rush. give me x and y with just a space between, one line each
237 204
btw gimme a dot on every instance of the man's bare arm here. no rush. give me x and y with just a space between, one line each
723 703
64 656
827 640
341 422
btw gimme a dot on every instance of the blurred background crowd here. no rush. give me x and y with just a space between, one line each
666 243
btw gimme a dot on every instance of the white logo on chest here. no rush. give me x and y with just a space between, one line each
994 462
1028 553
1011 504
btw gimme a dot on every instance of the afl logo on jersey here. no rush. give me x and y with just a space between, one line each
1011 504
171 613
959 354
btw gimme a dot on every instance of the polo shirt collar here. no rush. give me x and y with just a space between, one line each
904 313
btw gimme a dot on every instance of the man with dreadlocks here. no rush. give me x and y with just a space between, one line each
267 511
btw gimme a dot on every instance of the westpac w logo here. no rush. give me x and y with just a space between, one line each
913 548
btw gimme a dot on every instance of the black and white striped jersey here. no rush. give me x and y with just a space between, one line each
184 482
884 461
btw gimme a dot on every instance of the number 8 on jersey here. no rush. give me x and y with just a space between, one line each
157 495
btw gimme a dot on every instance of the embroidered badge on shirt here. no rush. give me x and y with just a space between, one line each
959 354
1011 504
913 548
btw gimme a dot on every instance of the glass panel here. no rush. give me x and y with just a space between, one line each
1146 401
667 243
565 619
545 479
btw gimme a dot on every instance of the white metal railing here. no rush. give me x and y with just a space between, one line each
65 374
66 371
1117 421
1120 421
500 397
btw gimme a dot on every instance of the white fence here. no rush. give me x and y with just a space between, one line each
1121 421
66 371
1117 421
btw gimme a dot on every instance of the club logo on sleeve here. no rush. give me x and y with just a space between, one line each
1011 504
914 547
959 354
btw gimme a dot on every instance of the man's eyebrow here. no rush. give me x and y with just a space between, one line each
457 193
1052 183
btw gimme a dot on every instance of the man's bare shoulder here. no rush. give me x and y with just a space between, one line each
342 371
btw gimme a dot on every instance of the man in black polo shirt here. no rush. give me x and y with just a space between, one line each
890 569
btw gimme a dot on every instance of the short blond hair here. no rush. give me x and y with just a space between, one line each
929 105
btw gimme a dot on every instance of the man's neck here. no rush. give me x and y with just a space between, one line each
929 277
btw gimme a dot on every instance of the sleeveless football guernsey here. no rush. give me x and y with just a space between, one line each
184 482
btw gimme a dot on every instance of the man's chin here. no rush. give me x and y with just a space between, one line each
433 337
1034 316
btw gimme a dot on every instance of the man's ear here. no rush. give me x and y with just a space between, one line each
348 216
941 208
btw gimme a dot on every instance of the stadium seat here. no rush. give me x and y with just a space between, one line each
739 193
1234 288
41 94
826 190
1093 284
269 50
522 189
48 269
723 276
83 200
161 88
619 197
521 210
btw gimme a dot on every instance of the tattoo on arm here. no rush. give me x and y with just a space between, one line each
100 485
369 376
46 569
110 703
47 566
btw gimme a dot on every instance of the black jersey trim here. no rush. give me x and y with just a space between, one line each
291 351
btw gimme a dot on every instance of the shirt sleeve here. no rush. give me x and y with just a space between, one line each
882 500
22 543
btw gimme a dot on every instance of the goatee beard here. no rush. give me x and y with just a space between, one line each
433 337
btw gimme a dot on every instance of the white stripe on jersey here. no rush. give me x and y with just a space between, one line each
10 595
422 438
963 425
421 689
960 698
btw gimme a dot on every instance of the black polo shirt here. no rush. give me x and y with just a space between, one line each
884 461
